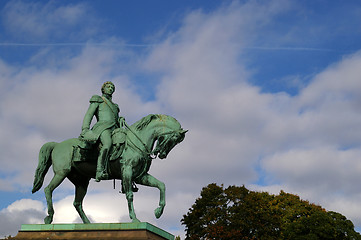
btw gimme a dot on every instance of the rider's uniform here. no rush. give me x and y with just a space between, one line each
106 114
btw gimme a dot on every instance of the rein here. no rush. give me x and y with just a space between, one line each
147 151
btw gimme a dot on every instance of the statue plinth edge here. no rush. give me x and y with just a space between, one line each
131 231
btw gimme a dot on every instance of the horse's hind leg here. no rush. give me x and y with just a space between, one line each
54 183
81 186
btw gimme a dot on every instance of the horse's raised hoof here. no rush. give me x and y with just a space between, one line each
48 219
158 212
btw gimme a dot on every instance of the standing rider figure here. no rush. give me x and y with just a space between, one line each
107 115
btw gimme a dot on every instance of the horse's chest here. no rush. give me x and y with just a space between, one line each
141 168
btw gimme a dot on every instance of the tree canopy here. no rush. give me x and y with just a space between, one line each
238 213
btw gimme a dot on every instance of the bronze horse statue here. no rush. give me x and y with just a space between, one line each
153 136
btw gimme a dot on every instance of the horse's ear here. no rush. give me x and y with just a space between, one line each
183 131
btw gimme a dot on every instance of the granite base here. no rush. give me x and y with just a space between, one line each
114 231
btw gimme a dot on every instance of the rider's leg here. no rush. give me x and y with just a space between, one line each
106 140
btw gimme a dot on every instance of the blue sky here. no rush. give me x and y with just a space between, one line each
269 90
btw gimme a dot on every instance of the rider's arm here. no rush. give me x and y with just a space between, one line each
89 116
94 103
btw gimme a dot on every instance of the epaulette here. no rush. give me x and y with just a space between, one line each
96 99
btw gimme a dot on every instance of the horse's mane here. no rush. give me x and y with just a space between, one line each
142 123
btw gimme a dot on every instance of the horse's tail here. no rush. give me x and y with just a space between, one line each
43 165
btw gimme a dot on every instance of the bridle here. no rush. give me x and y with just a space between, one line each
147 151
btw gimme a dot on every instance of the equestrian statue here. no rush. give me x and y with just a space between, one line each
109 150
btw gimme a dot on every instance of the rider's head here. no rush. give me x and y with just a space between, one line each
107 83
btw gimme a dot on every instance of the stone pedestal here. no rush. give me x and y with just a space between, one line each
114 231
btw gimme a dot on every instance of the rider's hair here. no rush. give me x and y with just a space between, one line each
108 82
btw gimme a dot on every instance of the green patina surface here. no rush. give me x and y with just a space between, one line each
97 227
110 149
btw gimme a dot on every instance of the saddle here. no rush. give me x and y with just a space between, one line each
88 151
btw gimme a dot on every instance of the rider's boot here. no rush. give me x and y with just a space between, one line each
101 173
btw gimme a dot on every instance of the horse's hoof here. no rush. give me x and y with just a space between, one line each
136 220
86 221
48 220
158 212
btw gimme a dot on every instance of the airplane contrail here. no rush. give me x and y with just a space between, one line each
4 44
296 49
7 44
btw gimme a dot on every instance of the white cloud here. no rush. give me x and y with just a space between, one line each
302 142
321 163
321 170
206 86
37 20
21 211
25 204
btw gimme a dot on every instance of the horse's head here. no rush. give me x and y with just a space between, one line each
161 129
166 142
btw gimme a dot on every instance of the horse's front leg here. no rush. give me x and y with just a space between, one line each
127 188
149 180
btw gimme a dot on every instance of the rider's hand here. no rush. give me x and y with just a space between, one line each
83 131
121 121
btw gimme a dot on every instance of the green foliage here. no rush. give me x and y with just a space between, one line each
322 225
238 213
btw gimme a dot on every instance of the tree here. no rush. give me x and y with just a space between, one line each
321 225
231 213
238 213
